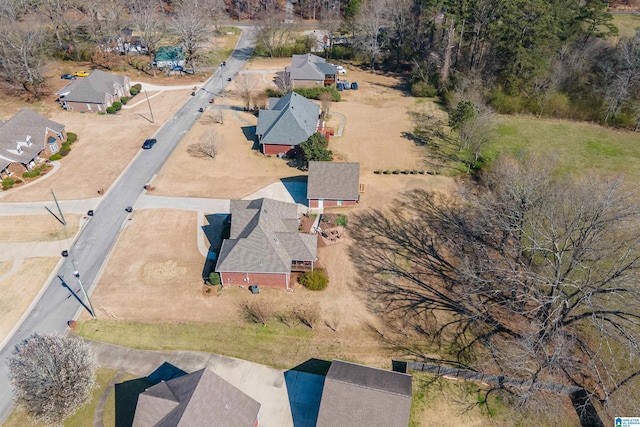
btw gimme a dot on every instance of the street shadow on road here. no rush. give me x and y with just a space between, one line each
297 188
305 383
216 231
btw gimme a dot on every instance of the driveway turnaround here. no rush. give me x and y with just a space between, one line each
265 384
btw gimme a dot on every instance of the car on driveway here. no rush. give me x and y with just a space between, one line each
81 73
149 143
68 77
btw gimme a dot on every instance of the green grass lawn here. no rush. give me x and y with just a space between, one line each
84 416
627 24
578 147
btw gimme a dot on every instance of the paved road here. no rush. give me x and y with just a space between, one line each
56 306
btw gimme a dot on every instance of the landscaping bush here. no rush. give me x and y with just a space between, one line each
111 110
377 171
273 93
396 172
341 220
63 152
506 104
117 105
214 278
423 89
8 183
124 100
31 174
56 156
133 91
386 172
71 137
315 280
316 92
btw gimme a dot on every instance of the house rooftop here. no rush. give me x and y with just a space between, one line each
360 396
264 238
93 88
290 120
13 132
333 180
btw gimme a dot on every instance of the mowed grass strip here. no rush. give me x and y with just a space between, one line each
274 344
578 147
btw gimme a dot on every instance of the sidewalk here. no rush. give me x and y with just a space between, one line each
263 383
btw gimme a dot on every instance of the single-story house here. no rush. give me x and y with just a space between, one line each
169 57
333 184
26 139
95 92
199 399
264 245
360 396
309 70
288 122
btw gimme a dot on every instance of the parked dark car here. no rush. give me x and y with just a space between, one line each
149 143
68 77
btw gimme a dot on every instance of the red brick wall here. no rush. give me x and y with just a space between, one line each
17 168
313 203
267 280
274 150
332 203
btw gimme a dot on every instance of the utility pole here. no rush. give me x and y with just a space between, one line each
222 64
149 102
76 273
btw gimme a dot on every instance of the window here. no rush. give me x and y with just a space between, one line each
28 141
19 149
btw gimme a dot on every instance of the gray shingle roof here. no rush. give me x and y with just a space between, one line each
309 67
15 130
201 398
264 238
356 395
92 89
333 180
291 121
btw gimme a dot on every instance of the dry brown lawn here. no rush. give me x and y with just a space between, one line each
36 228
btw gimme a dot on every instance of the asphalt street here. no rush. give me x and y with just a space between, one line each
56 305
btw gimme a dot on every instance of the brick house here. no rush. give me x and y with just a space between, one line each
288 122
360 396
333 184
264 245
310 70
95 92
27 139
199 399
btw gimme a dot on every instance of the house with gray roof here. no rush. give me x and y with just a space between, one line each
360 396
264 245
288 122
199 399
309 70
95 92
27 139
333 184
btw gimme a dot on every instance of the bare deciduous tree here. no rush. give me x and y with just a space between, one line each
208 146
529 276
256 312
52 376
283 82
148 19
190 23
274 33
22 56
246 84
325 104
370 19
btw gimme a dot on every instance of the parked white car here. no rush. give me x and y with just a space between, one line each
340 69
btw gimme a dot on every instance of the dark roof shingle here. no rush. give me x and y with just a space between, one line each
290 121
93 88
333 180
14 132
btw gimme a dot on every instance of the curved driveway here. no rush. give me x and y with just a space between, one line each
54 307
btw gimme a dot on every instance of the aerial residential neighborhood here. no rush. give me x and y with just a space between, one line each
338 213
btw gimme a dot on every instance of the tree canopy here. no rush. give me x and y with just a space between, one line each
315 149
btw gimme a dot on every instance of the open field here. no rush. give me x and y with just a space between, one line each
627 24
36 228
579 148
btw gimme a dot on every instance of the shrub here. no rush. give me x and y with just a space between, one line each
71 137
386 172
117 105
377 171
63 152
66 146
273 93
133 91
341 220
396 172
31 174
56 156
8 183
422 89
138 87
316 92
506 104
214 278
124 100
421 172
315 280
111 110
256 312
404 172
